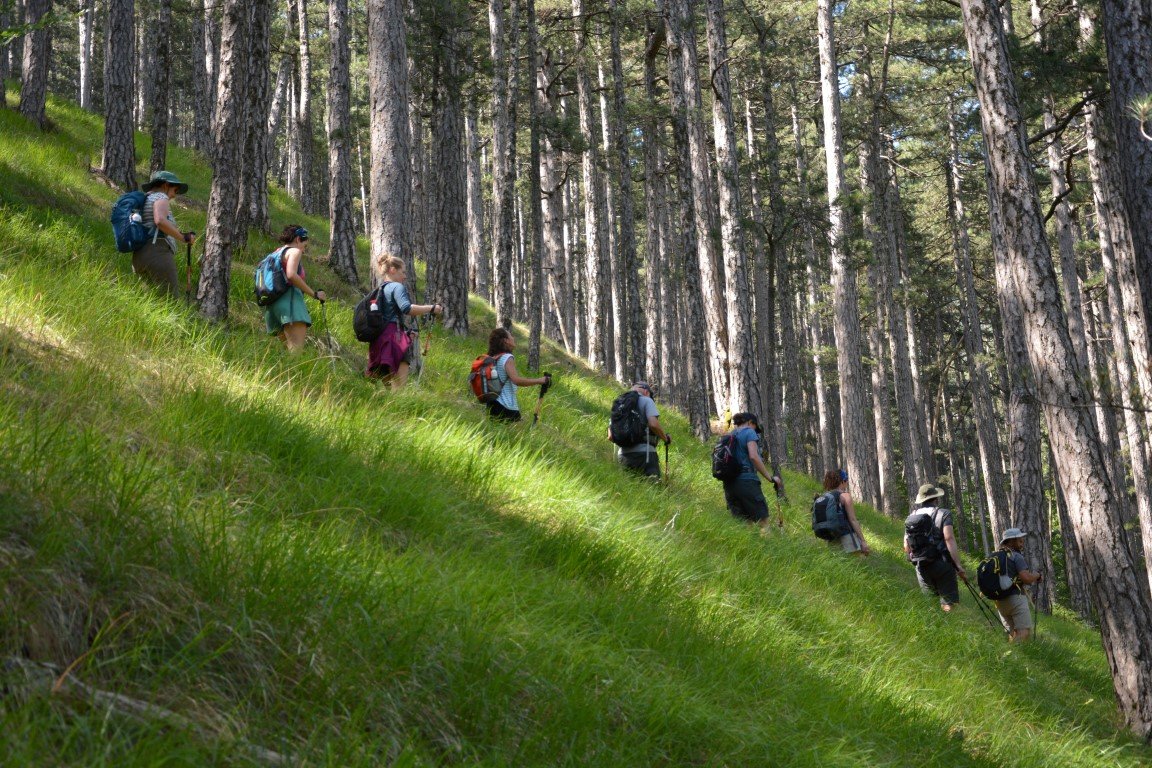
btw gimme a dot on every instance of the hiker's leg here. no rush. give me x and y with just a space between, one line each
295 335
156 264
652 464
401 377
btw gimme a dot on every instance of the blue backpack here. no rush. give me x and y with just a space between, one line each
829 520
271 283
127 224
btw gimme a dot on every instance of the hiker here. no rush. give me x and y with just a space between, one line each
851 540
390 355
155 261
743 493
287 317
635 429
930 544
506 407
1013 608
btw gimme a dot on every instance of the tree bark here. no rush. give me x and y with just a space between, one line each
342 223
86 22
388 94
479 264
222 231
253 205
211 67
1124 607
858 433
552 200
162 36
535 258
119 151
656 252
37 59
201 87
503 162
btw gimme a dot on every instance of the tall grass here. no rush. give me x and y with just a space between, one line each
293 557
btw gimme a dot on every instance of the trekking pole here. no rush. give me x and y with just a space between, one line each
1035 615
540 398
327 332
188 268
985 609
667 472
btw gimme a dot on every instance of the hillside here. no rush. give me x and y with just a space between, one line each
278 556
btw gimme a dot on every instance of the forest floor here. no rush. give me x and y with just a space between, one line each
212 553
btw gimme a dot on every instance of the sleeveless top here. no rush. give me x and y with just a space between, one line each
508 392
149 218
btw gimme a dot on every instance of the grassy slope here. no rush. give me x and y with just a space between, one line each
294 558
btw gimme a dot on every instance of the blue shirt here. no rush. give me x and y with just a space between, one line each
745 435
507 396
395 297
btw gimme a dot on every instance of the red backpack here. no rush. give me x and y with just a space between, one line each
485 379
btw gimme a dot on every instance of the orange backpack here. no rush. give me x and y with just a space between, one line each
485 379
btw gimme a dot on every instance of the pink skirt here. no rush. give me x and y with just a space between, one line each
391 348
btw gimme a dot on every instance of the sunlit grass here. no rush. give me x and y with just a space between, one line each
293 557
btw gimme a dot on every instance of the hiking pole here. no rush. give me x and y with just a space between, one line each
985 608
540 398
667 472
188 269
327 332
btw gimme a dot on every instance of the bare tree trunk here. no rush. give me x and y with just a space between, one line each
211 67
342 250
828 423
980 387
37 59
388 93
479 272
693 349
1127 28
656 208
682 20
119 153
162 36
5 21
617 342
536 213
253 210
743 384
305 146
552 191
86 21
858 433
223 202
1124 608
201 87
281 100
503 162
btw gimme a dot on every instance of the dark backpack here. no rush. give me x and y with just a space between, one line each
829 520
627 426
925 539
271 283
485 378
368 316
725 462
992 577
127 225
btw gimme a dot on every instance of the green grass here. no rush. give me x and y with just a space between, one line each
289 556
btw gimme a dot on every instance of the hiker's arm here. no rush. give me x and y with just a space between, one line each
654 425
292 273
415 310
757 462
850 509
907 548
1029 577
160 212
515 377
954 551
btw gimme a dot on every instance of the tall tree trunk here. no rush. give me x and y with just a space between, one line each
682 19
1124 607
693 349
656 249
480 273
86 22
617 342
388 94
743 385
818 336
625 213
536 212
503 161
211 66
201 86
552 192
222 233
1127 28
119 151
448 265
342 223
858 433
160 94
37 59
5 21
281 99
979 384
309 200
253 210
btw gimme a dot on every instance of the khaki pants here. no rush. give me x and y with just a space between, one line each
156 263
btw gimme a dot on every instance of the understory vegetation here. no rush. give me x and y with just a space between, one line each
284 560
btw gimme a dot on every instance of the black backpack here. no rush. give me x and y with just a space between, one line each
829 521
725 464
368 315
925 539
991 575
627 426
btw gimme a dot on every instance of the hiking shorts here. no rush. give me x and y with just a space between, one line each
287 309
1014 612
938 577
498 412
156 263
849 542
646 463
746 500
